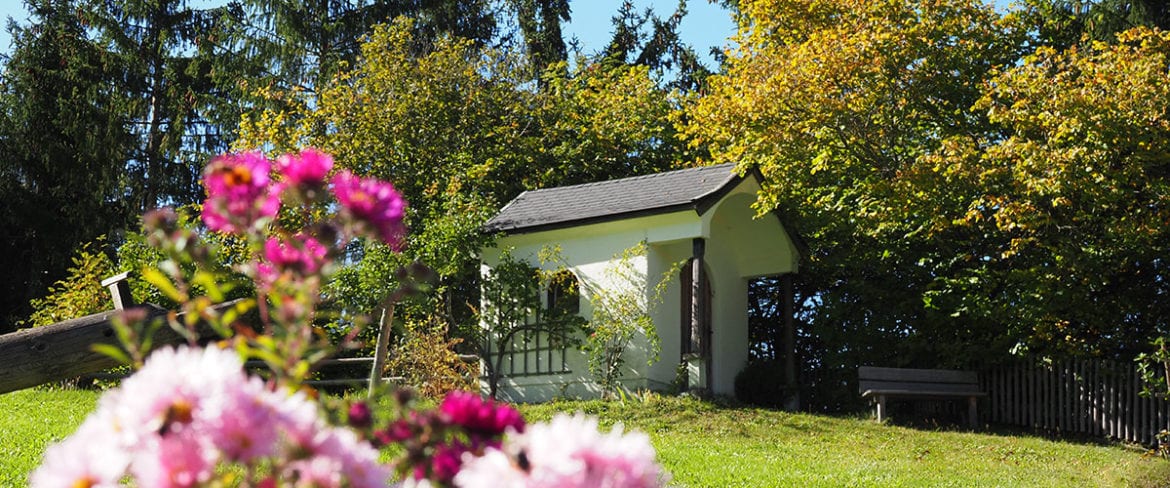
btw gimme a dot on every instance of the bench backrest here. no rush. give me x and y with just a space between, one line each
905 379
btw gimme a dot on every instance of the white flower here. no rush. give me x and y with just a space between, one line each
569 451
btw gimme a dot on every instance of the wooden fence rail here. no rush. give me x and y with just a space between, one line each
340 380
329 379
1092 397
64 350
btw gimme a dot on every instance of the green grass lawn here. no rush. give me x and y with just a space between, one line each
32 419
707 445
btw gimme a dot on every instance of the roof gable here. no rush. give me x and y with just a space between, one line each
568 206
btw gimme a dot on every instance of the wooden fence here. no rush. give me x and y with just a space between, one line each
1092 397
353 378
64 350
358 374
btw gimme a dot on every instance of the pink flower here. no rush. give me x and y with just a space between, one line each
359 415
299 420
87 458
493 468
374 203
482 419
397 431
306 169
569 451
446 462
334 453
158 423
176 389
249 427
175 461
302 255
238 192
187 411
315 471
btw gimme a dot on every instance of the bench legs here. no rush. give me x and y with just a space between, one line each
973 412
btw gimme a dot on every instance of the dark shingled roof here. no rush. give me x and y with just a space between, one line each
568 206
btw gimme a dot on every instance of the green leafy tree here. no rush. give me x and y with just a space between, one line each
963 198
460 131
1063 23
461 123
603 123
843 106
430 124
1077 190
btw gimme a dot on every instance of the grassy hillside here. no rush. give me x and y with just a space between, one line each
707 445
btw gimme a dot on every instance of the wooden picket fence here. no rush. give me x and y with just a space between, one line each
1092 397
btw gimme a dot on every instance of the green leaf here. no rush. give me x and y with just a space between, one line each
210 285
112 351
162 283
148 330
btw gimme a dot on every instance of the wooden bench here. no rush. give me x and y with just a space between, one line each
880 384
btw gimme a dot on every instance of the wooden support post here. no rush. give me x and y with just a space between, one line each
792 401
700 330
698 247
120 290
881 407
382 350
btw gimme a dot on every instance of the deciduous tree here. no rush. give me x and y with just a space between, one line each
963 197
462 129
1078 191
843 106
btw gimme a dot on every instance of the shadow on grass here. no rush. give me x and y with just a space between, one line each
951 416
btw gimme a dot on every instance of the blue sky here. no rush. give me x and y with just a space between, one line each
705 26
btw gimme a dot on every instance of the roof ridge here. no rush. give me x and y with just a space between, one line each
730 176
628 178
510 203
593 201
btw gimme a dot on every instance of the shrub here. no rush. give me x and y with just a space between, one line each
79 294
426 358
